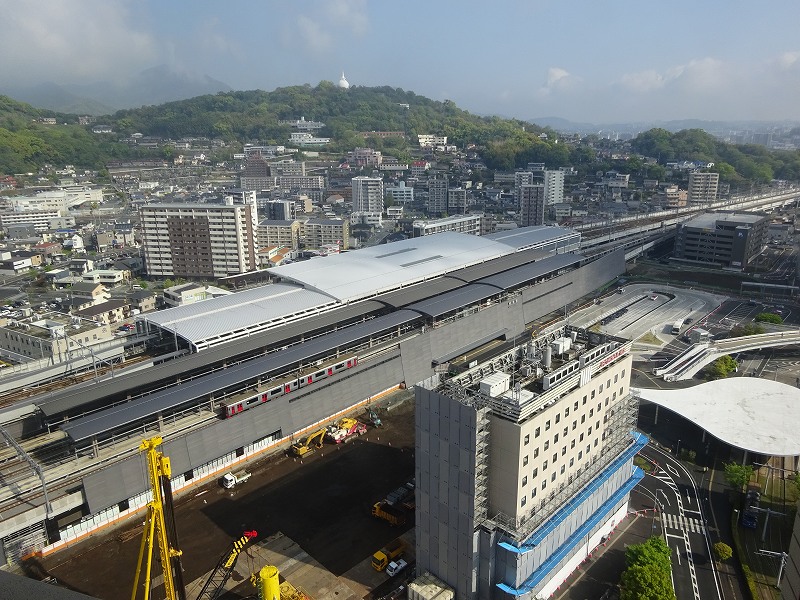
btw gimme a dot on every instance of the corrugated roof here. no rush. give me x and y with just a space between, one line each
190 391
526 273
227 317
363 273
470 294
530 237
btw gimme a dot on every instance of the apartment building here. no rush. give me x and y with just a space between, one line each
525 466
256 175
367 194
318 233
456 201
532 204
461 223
281 233
427 140
437 194
401 193
703 187
365 157
198 241
554 187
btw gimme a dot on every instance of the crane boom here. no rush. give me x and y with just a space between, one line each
215 584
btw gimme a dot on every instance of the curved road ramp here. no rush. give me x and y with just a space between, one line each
695 357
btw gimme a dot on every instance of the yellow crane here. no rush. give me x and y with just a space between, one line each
159 528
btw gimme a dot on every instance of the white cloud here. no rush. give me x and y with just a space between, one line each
558 79
319 28
643 81
313 36
62 41
787 60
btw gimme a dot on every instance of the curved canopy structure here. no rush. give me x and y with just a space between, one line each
757 415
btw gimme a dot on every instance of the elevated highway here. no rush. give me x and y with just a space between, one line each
695 357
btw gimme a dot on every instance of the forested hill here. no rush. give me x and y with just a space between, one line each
254 116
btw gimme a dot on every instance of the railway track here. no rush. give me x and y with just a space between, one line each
57 384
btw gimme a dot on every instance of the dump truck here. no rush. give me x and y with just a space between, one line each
392 550
345 429
230 480
393 514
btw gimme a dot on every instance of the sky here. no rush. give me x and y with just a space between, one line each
582 60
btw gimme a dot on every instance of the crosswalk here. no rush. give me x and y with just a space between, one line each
683 523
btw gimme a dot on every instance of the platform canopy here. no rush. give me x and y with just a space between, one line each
757 415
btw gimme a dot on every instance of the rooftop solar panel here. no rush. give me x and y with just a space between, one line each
171 398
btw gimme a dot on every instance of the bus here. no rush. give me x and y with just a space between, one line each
676 327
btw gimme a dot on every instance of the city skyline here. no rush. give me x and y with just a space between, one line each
579 61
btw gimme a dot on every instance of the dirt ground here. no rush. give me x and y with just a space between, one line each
323 503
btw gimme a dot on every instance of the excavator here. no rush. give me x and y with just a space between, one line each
311 443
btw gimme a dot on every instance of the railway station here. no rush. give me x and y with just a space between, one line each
245 375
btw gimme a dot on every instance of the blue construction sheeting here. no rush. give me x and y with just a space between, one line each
639 442
576 538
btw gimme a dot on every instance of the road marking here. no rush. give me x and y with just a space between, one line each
678 554
673 470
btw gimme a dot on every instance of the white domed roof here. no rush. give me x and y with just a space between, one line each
343 83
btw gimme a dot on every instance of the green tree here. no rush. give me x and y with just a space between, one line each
722 551
653 551
645 582
738 475
722 367
749 329
647 576
768 318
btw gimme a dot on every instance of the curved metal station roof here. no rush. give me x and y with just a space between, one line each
221 319
370 271
757 415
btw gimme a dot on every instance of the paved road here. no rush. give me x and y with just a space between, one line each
683 523
645 314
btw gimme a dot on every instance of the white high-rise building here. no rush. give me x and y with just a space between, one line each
554 187
367 194
703 187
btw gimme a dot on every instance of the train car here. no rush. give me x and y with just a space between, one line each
233 406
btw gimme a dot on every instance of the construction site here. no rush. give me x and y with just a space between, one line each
312 517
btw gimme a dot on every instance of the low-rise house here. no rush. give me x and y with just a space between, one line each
106 313
108 277
142 300
187 293
95 292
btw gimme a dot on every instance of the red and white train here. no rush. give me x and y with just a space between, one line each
233 406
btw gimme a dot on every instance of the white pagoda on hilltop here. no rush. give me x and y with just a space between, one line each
343 83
